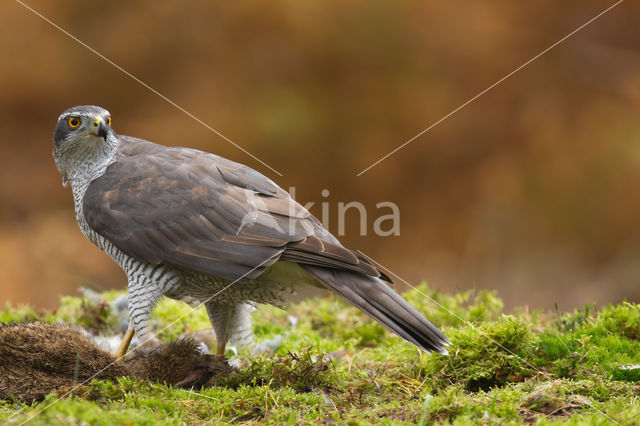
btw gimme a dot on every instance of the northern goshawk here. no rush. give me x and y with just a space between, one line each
197 227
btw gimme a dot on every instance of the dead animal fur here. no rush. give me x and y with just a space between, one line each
38 358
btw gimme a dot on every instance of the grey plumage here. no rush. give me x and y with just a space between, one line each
197 227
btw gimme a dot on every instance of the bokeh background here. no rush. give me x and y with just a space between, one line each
532 189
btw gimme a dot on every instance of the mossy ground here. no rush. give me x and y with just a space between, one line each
336 365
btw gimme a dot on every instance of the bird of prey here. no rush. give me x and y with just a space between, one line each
197 227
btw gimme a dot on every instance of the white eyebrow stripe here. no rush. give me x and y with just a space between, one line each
82 114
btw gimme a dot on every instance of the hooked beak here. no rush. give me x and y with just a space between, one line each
100 128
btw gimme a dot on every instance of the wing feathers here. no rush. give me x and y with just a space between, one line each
196 210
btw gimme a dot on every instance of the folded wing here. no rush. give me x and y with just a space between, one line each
198 211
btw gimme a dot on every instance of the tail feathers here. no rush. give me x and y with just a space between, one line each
376 299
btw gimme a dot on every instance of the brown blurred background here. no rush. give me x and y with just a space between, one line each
531 189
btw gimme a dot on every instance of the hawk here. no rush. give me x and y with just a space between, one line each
197 227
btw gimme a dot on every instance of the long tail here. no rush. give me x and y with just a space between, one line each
379 301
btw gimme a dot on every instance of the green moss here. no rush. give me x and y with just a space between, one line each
622 319
535 367
171 318
306 372
18 313
485 356
458 309
582 345
93 315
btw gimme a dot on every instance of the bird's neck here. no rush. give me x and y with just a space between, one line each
87 161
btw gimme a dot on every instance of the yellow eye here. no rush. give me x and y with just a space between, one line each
74 122
108 121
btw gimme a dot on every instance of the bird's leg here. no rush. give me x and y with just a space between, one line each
126 341
220 316
230 321
143 296
220 347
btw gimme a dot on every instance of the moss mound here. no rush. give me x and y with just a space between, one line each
324 361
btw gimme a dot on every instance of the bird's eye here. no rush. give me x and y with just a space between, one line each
74 122
108 121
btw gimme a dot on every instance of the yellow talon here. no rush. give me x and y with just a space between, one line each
124 345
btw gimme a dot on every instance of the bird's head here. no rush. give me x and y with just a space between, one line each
83 136
82 124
